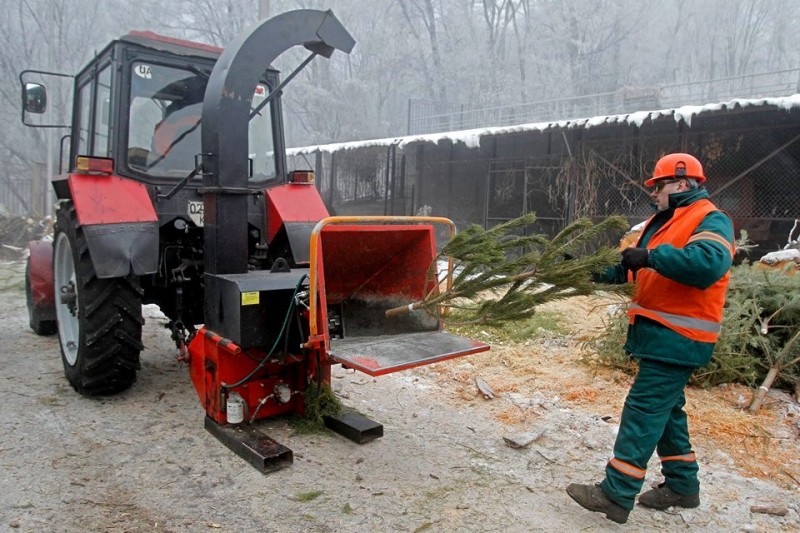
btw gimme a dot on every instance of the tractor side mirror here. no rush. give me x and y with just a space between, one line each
34 98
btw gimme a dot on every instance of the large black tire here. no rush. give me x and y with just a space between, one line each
99 320
39 324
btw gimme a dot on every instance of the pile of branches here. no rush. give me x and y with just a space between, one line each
767 304
16 231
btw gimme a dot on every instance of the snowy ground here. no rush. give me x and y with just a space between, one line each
141 461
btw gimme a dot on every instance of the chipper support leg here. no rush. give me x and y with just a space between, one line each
261 451
356 427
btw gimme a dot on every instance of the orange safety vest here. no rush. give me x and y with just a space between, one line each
692 312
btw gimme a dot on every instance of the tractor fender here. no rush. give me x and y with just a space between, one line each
40 276
119 223
296 208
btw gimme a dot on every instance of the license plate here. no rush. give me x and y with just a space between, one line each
196 212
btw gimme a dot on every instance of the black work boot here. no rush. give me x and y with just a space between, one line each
593 498
663 497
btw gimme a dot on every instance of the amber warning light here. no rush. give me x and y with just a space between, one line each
94 165
301 176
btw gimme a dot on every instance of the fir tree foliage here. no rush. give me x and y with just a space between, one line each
503 273
775 297
319 401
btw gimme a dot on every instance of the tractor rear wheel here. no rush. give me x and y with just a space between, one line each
39 324
99 320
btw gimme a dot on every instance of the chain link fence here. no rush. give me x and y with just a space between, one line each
753 174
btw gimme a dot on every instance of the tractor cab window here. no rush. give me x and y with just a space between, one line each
164 119
84 110
164 123
102 112
261 145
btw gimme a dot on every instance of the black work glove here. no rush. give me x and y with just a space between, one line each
635 258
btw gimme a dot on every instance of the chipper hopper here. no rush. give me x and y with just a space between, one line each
177 194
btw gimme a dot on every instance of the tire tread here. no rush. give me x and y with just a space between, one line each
110 320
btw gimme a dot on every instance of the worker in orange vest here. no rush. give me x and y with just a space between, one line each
680 266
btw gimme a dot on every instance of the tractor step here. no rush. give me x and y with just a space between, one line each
264 453
384 354
356 427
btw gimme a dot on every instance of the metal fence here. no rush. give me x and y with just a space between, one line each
15 196
434 117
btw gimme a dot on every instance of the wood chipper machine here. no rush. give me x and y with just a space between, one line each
177 194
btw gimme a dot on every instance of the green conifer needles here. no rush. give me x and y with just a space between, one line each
503 273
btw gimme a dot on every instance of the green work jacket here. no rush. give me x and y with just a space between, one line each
699 264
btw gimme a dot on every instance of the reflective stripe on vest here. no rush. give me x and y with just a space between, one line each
682 321
710 236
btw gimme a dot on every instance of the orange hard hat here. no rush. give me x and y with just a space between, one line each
677 165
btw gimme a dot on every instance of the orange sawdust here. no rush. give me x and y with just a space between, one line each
581 395
765 445
517 416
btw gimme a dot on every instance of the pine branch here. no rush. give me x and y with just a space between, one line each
505 272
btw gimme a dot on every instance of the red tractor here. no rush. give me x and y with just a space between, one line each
178 195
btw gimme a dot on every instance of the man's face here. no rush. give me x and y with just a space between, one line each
663 188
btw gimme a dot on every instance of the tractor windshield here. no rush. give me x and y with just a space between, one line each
164 123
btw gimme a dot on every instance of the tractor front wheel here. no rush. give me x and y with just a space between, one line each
99 320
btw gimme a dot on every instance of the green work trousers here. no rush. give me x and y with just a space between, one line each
653 418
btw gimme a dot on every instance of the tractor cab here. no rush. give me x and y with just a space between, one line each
137 116
139 102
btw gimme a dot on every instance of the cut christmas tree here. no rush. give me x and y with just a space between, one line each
503 273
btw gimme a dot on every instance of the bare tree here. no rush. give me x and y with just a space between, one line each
500 19
214 22
585 35
422 11
43 35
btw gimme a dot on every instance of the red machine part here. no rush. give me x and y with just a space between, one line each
387 261
170 128
367 267
377 261
293 203
40 275
371 269
216 361
110 200
179 42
